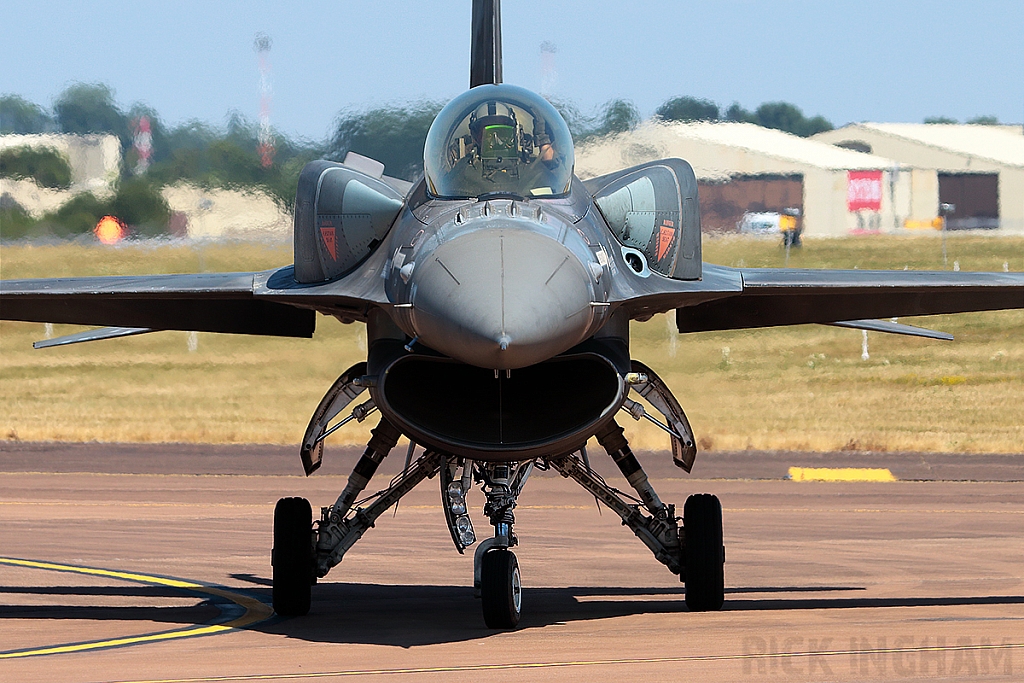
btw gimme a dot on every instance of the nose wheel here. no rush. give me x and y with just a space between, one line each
501 589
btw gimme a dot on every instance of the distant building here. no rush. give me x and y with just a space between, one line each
980 168
95 160
744 169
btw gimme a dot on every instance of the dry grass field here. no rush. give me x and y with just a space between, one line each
800 388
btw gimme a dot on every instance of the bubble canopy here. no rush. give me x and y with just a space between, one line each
498 138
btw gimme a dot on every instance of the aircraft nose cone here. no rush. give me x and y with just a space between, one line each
501 298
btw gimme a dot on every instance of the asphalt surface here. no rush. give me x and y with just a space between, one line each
130 563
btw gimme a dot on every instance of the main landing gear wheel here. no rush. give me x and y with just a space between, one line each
704 571
501 589
293 556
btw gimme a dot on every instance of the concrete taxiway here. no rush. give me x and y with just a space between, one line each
152 563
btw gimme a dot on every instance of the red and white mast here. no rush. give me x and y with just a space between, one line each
265 137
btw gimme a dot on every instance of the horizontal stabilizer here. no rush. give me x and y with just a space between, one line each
893 328
91 335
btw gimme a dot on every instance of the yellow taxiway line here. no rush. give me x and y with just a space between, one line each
255 610
840 474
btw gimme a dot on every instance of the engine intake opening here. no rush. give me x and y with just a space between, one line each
543 409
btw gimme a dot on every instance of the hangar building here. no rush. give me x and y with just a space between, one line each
742 167
980 168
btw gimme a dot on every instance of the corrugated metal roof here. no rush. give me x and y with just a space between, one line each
665 138
995 143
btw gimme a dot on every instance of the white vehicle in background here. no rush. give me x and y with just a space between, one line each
773 223
760 223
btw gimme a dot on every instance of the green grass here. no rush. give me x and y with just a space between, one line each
804 387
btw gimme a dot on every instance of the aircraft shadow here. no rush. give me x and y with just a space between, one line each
198 610
411 615
407 616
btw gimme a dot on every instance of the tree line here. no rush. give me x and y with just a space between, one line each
227 156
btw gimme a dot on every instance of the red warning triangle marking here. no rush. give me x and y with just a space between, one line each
328 236
665 236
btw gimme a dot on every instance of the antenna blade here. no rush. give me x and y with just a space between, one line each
485 53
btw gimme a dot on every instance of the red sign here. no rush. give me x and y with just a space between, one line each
665 236
328 236
864 191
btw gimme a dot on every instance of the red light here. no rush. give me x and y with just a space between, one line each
109 230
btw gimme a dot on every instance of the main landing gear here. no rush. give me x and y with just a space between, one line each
690 546
292 557
694 549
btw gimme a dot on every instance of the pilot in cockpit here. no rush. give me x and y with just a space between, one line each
498 145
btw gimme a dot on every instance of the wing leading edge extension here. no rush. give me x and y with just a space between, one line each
774 297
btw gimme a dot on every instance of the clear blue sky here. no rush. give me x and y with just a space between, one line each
878 60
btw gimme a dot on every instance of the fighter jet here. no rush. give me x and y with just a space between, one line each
497 292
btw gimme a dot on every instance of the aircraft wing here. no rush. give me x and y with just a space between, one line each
768 297
261 303
215 302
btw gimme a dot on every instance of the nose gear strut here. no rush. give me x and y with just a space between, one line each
496 569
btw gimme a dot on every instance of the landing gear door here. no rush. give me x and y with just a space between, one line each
653 208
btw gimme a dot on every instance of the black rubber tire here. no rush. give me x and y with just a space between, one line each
704 553
500 589
293 556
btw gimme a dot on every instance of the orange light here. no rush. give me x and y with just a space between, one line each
109 230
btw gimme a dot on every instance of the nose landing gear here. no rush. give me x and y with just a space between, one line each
501 588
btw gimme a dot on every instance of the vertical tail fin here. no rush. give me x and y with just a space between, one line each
485 53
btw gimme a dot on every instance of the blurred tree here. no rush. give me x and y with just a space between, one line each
940 119
984 121
814 125
19 116
738 114
44 165
615 116
687 109
77 216
201 155
780 116
15 222
393 135
788 117
139 205
579 125
137 202
618 116
89 108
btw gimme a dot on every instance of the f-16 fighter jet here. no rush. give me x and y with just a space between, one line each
497 292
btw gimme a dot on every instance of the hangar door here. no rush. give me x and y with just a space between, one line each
722 204
976 196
